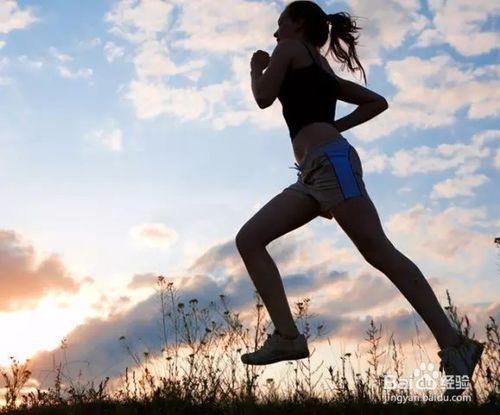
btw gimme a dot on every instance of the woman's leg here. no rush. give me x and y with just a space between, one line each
282 214
359 219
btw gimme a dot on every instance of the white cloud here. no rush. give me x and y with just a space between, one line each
62 57
444 237
151 99
26 61
429 93
155 235
460 23
153 61
460 185
113 51
111 138
465 157
469 167
3 63
91 43
405 189
373 160
208 25
386 24
200 26
138 21
66 72
2 43
496 161
12 17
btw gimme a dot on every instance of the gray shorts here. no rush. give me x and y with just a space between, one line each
330 173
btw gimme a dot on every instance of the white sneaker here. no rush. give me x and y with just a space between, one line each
458 361
277 348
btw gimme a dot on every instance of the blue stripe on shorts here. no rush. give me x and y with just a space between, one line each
338 153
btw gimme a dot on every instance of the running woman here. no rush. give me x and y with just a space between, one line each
330 181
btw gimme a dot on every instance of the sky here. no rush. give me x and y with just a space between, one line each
131 147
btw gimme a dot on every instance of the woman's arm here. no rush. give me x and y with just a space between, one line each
266 85
361 114
370 104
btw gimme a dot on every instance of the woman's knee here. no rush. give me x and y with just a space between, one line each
247 239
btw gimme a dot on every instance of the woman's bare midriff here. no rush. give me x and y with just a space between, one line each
312 135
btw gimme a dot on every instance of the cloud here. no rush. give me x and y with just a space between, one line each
155 235
146 280
66 72
91 43
111 138
463 157
430 91
3 63
153 61
461 185
208 27
206 31
496 161
138 21
402 323
386 24
461 24
61 57
113 51
13 17
29 63
22 281
445 237
151 99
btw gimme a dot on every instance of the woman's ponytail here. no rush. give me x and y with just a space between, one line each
343 27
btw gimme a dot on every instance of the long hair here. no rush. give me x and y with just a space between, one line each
343 28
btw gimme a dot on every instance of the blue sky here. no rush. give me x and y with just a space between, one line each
130 145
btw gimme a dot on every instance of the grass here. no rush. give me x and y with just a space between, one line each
198 371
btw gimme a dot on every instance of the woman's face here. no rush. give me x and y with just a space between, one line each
287 28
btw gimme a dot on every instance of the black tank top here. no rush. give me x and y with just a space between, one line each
308 94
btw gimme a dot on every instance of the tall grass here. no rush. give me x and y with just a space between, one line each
198 369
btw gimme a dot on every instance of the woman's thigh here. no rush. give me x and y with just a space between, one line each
359 219
283 213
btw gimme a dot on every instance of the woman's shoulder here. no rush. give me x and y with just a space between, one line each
297 51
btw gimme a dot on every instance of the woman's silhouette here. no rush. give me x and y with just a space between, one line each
329 183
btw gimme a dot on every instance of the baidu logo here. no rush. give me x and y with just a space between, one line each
425 377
